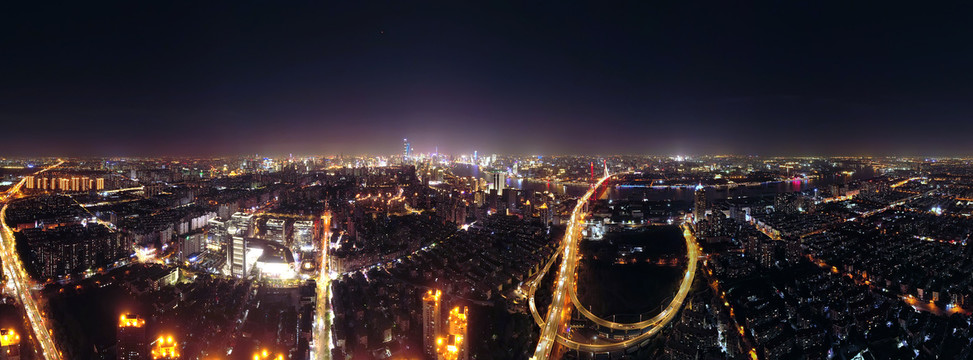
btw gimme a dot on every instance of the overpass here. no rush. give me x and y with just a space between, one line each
565 294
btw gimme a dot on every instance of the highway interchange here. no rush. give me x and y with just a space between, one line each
565 294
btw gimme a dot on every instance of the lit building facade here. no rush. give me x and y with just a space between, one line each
454 345
700 203
406 150
9 345
165 348
275 230
131 338
72 248
431 320
304 235
238 229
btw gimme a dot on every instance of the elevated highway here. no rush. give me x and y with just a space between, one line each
565 294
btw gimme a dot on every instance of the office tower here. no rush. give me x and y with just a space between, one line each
431 320
236 255
275 230
406 150
165 348
9 345
699 203
545 213
238 230
499 181
216 232
304 235
510 198
479 198
131 338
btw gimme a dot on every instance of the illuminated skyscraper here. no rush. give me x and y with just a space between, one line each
699 203
165 348
304 235
9 345
431 320
131 338
238 229
455 344
236 255
406 150
499 180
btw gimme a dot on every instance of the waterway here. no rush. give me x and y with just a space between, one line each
662 193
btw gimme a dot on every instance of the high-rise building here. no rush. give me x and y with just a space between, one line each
510 198
454 345
304 235
9 345
699 203
236 255
131 338
192 243
546 214
406 150
431 320
499 181
165 348
238 230
275 230
29 182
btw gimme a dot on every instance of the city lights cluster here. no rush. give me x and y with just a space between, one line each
165 348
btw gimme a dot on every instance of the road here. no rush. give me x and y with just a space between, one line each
566 294
322 319
18 277
558 310
676 303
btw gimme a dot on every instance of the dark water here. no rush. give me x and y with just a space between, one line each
607 288
685 193
660 193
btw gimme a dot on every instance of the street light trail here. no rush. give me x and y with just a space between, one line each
551 327
322 321
17 276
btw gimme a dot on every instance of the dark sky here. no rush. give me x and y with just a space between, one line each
649 77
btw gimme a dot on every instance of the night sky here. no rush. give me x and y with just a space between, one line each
650 77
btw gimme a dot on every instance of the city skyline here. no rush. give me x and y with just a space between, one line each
438 180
